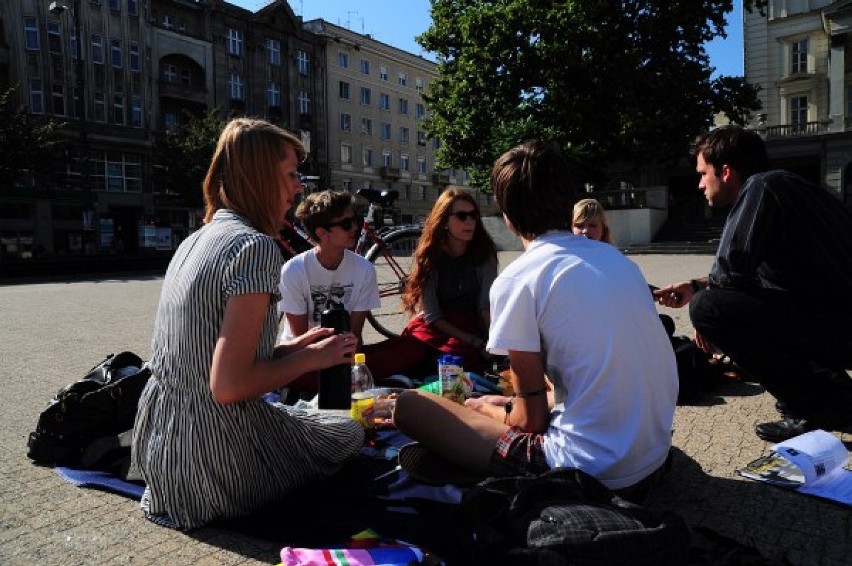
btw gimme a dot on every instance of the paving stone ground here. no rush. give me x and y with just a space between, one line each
52 332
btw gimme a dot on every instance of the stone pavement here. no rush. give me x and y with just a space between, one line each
52 332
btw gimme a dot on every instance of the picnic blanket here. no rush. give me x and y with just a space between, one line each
369 492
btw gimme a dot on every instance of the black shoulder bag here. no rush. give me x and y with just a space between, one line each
82 425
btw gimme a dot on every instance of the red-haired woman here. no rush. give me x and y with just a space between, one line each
447 293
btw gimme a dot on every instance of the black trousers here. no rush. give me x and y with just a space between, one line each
798 350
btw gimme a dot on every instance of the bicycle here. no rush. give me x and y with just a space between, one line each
389 249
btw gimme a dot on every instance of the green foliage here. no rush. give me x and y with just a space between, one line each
32 147
182 156
607 80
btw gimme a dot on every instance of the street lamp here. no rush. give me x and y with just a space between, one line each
58 7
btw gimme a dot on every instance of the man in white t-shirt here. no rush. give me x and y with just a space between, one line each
593 371
329 275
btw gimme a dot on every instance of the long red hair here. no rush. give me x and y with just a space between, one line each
429 252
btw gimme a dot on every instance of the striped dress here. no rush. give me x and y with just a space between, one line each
202 460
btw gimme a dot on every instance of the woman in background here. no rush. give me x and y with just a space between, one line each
447 293
206 444
589 220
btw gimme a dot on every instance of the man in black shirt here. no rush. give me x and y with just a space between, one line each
778 300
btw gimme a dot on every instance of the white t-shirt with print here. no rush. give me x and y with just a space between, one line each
309 288
588 310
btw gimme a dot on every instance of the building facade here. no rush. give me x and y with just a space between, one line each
798 53
145 65
375 112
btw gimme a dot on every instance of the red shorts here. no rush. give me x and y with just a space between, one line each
517 453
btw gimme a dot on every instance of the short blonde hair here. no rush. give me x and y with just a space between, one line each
590 209
243 174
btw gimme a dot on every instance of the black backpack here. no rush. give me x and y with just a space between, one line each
696 376
87 424
566 516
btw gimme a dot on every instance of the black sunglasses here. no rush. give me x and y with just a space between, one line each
346 223
463 215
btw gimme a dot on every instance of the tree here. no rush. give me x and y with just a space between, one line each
609 81
182 156
32 147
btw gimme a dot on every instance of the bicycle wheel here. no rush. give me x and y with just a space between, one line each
393 257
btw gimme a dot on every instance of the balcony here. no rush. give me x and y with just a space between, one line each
389 172
182 92
795 130
440 179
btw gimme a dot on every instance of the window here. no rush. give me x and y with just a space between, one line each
367 156
383 73
799 57
402 79
386 131
136 112
367 126
123 172
302 61
170 121
421 137
100 107
97 49
365 67
343 90
420 111
384 101
115 53
436 144
347 185
421 165
273 94
133 7
345 153
798 113
403 106
235 42
31 34
403 162
304 102
118 109
54 37
166 22
273 48
36 97
387 160
403 134
343 59
72 44
185 77
236 88
419 84
115 5
134 57
345 123
366 96
58 99
421 192
169 73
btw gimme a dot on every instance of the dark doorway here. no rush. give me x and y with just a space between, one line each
126 227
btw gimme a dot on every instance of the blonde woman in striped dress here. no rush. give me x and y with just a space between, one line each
206 444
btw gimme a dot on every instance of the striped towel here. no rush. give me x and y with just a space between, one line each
363 549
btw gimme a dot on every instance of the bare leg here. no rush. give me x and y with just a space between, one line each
461 435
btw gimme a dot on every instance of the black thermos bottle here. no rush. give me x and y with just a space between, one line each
335 383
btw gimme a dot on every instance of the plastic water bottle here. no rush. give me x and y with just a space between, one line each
362 379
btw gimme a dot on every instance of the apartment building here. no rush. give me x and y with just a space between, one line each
144 65
375 111
796 52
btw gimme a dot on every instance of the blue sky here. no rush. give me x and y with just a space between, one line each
397 22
